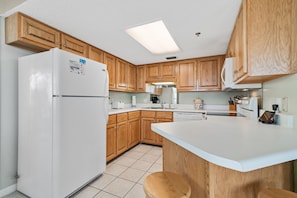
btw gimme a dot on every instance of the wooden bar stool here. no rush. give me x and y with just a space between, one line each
276 193
166 185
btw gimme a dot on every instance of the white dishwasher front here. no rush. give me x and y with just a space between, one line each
182 116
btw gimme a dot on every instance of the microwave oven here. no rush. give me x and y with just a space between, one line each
227 78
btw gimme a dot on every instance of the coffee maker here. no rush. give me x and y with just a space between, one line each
155 99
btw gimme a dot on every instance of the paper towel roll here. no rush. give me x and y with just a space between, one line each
133 101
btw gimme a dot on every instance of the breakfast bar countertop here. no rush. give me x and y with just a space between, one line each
236 143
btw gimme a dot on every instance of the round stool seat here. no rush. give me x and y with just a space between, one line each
166 185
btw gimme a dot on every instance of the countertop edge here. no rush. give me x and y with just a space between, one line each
125 110
246 165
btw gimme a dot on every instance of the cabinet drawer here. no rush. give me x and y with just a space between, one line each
148 114
122 117
133 115
112 119
163 114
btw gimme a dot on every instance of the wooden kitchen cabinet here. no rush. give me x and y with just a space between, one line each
110 62
26 32
162 116
147 135
153 72
73 45
121 75
209 73
186 73
96 54
161 72
141 78
133 128
131 77
149 117
122 132
168 71
111 137
264 40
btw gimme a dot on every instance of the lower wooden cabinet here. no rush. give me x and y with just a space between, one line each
111 140
149 117
126 130
122 133
133 128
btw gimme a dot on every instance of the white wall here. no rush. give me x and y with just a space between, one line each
8 109
282 87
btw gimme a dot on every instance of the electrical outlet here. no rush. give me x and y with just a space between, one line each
285 104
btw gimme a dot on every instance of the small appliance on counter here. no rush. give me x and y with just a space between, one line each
133 101
155 99
198 103
118 105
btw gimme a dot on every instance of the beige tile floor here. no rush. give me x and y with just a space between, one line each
124 176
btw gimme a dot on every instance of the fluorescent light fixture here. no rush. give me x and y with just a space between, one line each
163 83
155 37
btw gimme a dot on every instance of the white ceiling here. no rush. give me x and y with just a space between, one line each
102 23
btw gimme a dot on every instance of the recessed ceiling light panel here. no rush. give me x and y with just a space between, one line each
155 37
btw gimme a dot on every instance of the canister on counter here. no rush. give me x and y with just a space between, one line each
198 103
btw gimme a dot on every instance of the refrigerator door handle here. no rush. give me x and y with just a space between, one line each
106 84
106 106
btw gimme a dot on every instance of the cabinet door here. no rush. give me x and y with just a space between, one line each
111 137
111 142
186 75
74 45
153 72
121 75
23 31
133 132
122 141
208 73
141 74
168 71
159 138
96 54
162 116
240 49
147 135
110 62
131 78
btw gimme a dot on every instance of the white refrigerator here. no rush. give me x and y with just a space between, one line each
63 111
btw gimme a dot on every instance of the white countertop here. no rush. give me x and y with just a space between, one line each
233 142
180 109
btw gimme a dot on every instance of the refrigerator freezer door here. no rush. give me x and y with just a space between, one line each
78 76
79 142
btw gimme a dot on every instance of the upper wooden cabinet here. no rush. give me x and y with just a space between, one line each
161 72
208 73
25 32
96 54
141 77
121 75
264 40
110 62
153 72
71 44
131 77
186 73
